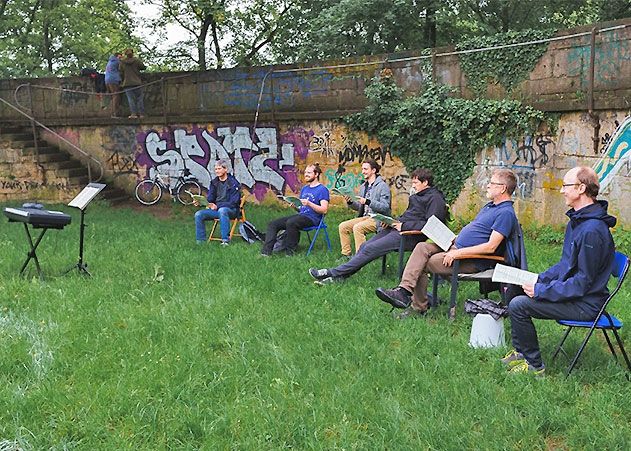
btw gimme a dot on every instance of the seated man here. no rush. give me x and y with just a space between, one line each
315 203
484 235
374 197
427 201
224 197
576 287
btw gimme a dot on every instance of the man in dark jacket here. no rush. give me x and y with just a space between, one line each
576 287
224 197
486 234
427 201
130 68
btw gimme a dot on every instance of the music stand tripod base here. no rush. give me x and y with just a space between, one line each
81 202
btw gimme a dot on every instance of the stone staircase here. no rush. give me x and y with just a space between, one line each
56 163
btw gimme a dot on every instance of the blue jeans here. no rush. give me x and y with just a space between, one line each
134 97
522 309
224 214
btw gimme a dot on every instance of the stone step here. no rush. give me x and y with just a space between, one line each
53 157
43 150
72 172
69 163
17 136
114 195
79 180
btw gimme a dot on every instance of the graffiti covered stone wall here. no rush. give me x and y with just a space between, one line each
269 160
540 161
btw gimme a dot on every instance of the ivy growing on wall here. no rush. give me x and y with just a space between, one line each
437 131
507 67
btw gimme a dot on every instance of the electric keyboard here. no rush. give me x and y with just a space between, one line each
38 218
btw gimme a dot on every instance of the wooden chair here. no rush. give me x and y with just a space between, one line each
235 222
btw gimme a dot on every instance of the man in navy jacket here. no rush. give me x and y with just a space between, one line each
224 197
576 287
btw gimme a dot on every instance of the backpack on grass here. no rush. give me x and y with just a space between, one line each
249 233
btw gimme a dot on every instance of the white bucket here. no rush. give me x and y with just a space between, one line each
486 332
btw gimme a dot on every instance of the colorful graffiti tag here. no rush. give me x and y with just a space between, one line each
260 159
616 155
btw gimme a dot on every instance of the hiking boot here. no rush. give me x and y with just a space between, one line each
329 280
319 274
397 297
512 358
524 367
410 312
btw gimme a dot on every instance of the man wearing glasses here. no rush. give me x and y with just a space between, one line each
576 287
486 234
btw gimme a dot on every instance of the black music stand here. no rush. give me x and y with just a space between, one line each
81 202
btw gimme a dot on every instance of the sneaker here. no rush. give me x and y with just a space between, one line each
410 312
132 116
525 367
397 297
225 243
200 242
512 358
329 280
265 254
319 274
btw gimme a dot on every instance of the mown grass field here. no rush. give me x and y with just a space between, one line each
171 345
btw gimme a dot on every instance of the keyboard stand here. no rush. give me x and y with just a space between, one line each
32 255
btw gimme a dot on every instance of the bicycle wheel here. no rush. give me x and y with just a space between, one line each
191 187
148 192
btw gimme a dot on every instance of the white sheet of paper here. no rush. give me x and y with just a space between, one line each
86 195
439 233
516 276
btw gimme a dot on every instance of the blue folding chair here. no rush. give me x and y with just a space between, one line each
320 226
604 321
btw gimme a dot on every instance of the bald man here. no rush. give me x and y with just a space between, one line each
576 287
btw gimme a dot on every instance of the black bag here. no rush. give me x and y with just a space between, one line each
249 233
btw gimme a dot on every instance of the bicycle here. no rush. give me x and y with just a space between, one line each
149 191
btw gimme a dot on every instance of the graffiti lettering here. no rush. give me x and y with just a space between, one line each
400 183
323 144
28 185
617 154
358 152
69 98
253 157
527 153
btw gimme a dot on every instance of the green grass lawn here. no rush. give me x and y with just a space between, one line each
171 345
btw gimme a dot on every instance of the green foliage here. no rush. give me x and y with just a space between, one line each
440 132
61 37
508 66
233 351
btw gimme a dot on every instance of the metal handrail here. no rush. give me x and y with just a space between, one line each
78 149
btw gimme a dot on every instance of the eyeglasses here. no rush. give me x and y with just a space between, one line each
496 183
565 185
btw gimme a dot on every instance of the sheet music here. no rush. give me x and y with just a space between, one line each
508 274
86 195
439 233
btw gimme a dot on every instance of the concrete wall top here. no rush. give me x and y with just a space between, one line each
332 88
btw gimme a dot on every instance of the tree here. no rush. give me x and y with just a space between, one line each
53 37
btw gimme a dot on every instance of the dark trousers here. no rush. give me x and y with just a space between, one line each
387 240
292 225
523 308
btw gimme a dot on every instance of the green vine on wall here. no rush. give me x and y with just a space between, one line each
440 132
507 67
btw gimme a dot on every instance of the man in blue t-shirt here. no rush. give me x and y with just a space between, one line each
315 203
486 234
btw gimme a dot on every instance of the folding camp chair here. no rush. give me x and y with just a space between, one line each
318 228
235 222
604 321
512 257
